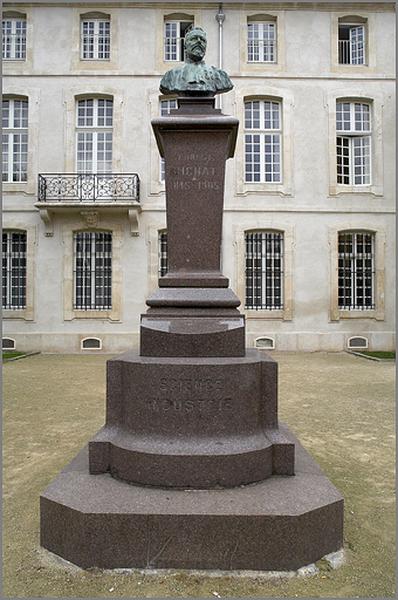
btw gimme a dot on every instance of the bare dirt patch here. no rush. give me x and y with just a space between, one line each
341 408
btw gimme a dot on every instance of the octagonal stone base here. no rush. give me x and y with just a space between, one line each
282 523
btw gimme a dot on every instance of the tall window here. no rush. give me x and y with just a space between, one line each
356 270
263 141
14 39
15 140
261 42
14 270
353 143
163 257
93 270
174 34
351 44
94 135
95 39
165 107
264 270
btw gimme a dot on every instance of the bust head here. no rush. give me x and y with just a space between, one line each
195 44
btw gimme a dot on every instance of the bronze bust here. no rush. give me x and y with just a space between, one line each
194 77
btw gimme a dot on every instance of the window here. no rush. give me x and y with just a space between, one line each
93 270
95 39
174 34
14 38
261 42
353 143
163 258
356 270
14 270
263 140
91 344
351 44
94 135
15 140
165 107
264 270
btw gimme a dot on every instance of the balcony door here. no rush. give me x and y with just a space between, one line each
94 122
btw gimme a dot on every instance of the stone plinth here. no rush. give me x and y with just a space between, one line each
279 524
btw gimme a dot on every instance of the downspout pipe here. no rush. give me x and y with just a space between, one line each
220 18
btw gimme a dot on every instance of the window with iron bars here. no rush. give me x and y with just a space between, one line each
163 258
264 270
165 107
14 39
15 140
261 42
356 270
14 270
95 39
263 141
351 44
353 143
174 35
93 270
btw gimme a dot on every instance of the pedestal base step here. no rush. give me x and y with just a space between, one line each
282 523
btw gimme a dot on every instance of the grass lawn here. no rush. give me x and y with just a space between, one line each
342 410
7 354
378 353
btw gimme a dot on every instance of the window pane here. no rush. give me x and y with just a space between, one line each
264 270
356 270
93 270
14 270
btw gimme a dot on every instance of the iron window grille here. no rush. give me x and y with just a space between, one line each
94 122
15 140
14 39
261 42
14 270
263 141
163 256
351 44
264 270
93 270
165 107
174 35
95 39
356 271
353 143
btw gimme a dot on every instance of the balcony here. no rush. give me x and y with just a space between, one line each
89 194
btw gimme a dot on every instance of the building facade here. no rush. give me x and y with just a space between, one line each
308 238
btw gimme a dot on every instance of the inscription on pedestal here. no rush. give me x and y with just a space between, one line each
202 175
186 395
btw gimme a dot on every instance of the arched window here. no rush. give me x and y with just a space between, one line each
356 270
261 39
94 121
14 36
263 141
14 270
15 139
352 40
264 270
91 343
93 270
95 32
353 142
163 257
175 29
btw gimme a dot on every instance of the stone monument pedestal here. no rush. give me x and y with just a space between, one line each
192 469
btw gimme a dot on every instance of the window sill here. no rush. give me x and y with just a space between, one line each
265 314
25 314
109 315
372 313
280 189
340 189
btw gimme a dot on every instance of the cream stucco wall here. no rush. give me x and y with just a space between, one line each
308 206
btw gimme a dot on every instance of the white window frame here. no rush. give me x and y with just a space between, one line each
357 271
97 37
11 38
354 139
15 142
268 298
96 135
14 276
165 106
353 44
257 136
90 261
266 45
176 54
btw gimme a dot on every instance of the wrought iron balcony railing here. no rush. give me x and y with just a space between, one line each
89 187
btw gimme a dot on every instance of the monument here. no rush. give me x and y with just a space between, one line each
192 468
